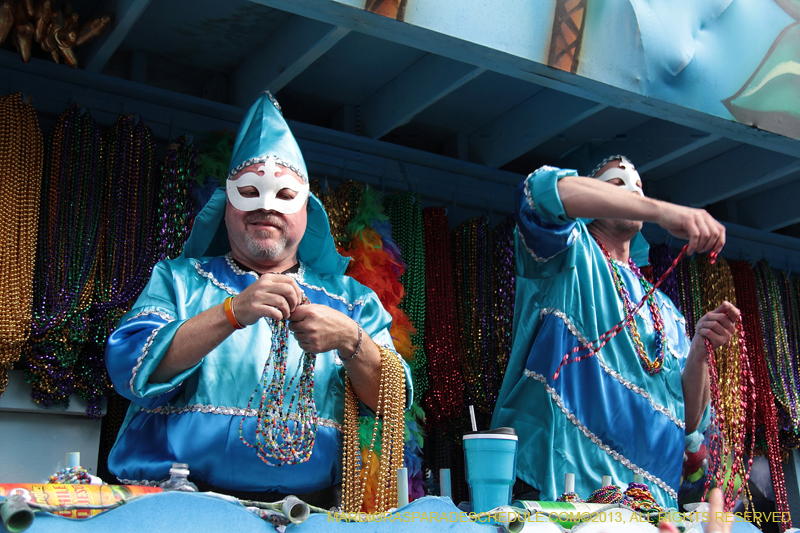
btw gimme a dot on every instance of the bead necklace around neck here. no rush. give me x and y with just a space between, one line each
651 366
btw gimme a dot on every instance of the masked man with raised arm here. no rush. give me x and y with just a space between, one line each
628 409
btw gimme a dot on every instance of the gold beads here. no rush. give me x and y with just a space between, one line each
389 413
21 156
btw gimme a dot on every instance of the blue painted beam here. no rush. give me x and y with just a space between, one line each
725 176
773 209
364 146
528 125
469 196
506 53
648 145
55 87
126 13
678 153
424 83
287 53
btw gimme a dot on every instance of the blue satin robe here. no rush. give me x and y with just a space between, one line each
603 415
194 418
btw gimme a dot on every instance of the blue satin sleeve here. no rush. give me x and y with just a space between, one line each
542 224
133 352
140 341
377 323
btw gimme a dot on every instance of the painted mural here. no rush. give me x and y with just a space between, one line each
736 59
770 99
388 8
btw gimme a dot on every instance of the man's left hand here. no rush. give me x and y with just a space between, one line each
319 328
718 326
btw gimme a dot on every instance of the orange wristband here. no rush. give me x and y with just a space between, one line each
229 313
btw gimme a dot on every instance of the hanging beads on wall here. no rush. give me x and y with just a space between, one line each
175 196
341 205
69 221
408 232
504 291
780 367
764 412
21 153
446 387
661 257
127 249
473 267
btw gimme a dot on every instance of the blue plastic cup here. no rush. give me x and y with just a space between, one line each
491 463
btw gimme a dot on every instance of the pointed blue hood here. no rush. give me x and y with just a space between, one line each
264 133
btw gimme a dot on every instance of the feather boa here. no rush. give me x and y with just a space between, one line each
377 264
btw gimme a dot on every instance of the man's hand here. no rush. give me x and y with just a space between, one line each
718 326
702 231
274 296
319 328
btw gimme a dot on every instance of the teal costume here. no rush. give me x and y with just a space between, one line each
194 418
604 415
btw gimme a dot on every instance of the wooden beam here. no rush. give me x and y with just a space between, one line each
364 147
773 209
678 153
422 84
167 113
528 125
288 52
725 176
649 145
126 14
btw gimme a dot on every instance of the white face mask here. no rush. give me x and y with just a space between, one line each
268 186
626 173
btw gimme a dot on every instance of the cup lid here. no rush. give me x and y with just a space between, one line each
496 433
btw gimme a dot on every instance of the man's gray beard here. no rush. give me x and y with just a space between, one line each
625 229
265 250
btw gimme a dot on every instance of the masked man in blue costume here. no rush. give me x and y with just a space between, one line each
192 350
629 408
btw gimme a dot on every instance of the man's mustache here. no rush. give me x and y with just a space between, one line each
269 219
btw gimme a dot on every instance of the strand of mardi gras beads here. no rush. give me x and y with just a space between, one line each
651 366
569 497
21 153
472 260
732 390
388 414
408 232
779 365
721 427
641 499
788 298
789 432
684 287
695 292
504 291
593 347
661 258
178 168
127 249
608 494
747 301
284 433
446 386
340 204
69 222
